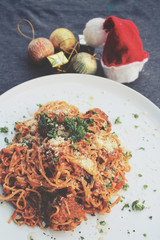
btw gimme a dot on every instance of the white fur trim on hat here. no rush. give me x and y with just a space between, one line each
124 74
94 34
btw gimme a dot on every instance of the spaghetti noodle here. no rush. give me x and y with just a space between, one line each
61 165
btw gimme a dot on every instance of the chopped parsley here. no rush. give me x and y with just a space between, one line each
55 160
126 205
6 140
141 148
102 223
31 238
150 217
39 105
135 115
18 135
76 219
109 185
108 204
145 186
127 154
117 121
106 127
140 175
77 127
4 130
74 146
47 126
82 238
145 235
94 112
136 206
125 186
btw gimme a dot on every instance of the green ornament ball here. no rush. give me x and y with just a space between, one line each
84 63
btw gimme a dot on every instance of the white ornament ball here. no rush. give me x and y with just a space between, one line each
94 34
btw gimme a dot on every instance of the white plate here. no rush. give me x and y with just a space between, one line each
86 91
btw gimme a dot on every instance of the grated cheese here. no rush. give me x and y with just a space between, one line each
85 162
56 141
108 144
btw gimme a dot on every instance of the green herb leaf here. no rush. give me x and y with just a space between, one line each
145 186
39 105
102 223
74 146
78 128
47 126
136 206
141 148
127 154
117 121
126 205
135 115
55 160
76 220
4 130
125 186
6 140
94 112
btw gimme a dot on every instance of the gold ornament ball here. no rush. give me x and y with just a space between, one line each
63 39
84 63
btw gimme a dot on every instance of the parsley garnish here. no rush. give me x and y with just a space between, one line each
77 127
74 146
4 130
6 140
136 206
39 105
76 219
55 160
94 112
141 148
135 115
125 187
47 126
126 205
117 121
145 186
81 238
108 204
102 223
127 154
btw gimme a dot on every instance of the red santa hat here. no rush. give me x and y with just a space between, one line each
123 55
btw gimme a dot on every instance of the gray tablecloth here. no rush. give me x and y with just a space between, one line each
47 15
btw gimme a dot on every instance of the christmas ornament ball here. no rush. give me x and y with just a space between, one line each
63 39
39 48
84 63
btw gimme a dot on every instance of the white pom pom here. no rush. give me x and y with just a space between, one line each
94 34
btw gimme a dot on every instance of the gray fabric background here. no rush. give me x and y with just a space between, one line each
47 15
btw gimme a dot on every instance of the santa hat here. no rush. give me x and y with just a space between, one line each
123 55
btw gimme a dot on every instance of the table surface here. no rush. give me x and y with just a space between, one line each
47 15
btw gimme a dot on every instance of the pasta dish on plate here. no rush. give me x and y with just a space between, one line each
61 165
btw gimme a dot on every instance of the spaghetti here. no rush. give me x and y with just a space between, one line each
61 165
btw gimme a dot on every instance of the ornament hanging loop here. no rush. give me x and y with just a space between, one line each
18 26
